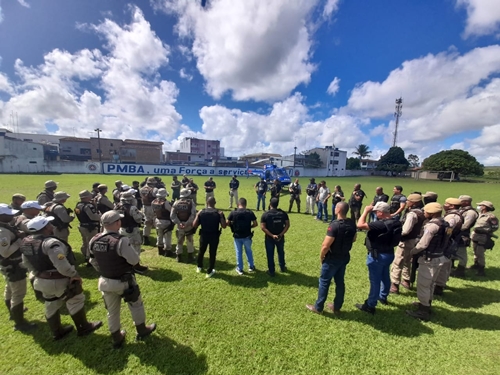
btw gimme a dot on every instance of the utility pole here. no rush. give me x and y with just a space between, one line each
294 156
397 114
99 142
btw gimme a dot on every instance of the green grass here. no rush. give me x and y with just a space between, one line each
253 324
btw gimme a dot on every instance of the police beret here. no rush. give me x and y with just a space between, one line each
453 201
465 198
414 198
433 208
487 204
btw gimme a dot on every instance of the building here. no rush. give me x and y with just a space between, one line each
177 157
260 158
210 149
332 159
73 148
35 138
20 156
127 151
368 164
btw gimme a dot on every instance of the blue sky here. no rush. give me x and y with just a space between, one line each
257 75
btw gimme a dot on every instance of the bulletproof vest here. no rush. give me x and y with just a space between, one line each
209 221
240 227
417 227
116 195
104 249
342 245
127 220
159 209
395 204
458 228
14 258
101 207
275 221
47 193
183 207
312 189
295 189
82 215
440 239
57 222
31 247
385 242
234 184
210 186
147 195
462 212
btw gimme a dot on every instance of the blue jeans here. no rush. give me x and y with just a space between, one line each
380 280
373 216
322 208
261 198
239 243
333 208
334 269
280 245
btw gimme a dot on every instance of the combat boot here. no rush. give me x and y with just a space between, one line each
406 284
178 258
480 271
422 313
169 253
190 257
58 331
161 251
438 290
138 268
143 330
118 338
458 272
146 241
394 289
83 326
364 307
21 324
474 266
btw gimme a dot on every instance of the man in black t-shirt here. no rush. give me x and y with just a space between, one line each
275 223
234 184
380 196
209 189
356 202
334 257
261 190
241 222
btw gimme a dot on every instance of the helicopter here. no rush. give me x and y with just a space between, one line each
270 172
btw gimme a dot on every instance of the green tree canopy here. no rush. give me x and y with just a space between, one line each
352 164
393 161
313 160
363 151
458 161
413 160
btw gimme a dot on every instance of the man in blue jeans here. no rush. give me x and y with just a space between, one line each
383 235
275 223
261 190
241 221
322 200
334 257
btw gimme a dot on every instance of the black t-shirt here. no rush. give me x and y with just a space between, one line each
355 203
211 185
343 231
275 191
380 198
241 222
337 196
275 220
209 220
234 184
379 237
261 187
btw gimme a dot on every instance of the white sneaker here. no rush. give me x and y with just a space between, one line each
238 271
210 274
198 269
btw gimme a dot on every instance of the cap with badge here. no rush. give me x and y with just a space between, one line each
60 195
31 204
465 198
85 194
382 207
6 210
433 208
38 223
110 217
487 204
453 201
414 198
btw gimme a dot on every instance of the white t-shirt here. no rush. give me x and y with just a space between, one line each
323 193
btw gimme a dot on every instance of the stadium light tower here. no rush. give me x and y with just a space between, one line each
99 142
397 114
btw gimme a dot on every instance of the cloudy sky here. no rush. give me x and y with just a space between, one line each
259 75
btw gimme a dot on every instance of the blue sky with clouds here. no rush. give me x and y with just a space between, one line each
257 75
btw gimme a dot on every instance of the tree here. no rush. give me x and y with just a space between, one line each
393 161
457 161
414 161
363 151
313 160
352 163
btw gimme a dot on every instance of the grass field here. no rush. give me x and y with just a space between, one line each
254 324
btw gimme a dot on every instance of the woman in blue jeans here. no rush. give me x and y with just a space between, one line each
338 196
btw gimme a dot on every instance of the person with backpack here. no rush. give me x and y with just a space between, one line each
431 259
164 226
382 236
470 215
275 223
454 219
295 191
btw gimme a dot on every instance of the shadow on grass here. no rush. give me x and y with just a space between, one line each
465 319
472 296
95 352
162 275
492 274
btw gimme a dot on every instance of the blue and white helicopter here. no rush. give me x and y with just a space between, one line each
270 172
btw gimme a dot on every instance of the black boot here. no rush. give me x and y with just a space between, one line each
480 271
143 330
169 253
58 331
161 251
190 257
7 303
422 313
118 339
20 324
364 307
146 241
138 268
438 290
458 272
83 326
474 266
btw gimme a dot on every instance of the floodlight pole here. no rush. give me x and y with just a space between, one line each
99 142
397 114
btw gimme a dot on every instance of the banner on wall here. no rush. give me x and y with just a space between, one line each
161 170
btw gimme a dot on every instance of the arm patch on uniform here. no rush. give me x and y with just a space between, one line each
60 256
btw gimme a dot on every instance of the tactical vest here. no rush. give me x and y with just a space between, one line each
102 207
241 228
342 245
458 228
275 221
48 194
31 247
466 232
417 227
111 265
440 239
261 187
147 195
116 195
183 208
82 215
57 222
127 220
295 189
209 221
395 204
385 242
312 189
234 184
159 209
11 265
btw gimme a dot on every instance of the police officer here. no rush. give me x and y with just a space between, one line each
454 219
53 263
486 225
17 201
12 269
184 181
183 214
429 197
176 188
234 184
48 194
103 203
312 191
29 210
295 190
132 219
383 235
261 190
210 185
469 215
148 194
116 191
380 196
275 223
430 248
62 215
334 257
211 220
193 187
356 202
275 190
114 258
137 194
413 221
89 218
398 202
95 190
131 192
164 226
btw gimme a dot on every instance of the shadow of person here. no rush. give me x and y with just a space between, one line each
465 319
162 274
492 274
472 296
95 352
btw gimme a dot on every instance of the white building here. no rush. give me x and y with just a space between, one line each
17 155
48 139
333 160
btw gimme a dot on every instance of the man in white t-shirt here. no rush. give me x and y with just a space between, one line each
322 200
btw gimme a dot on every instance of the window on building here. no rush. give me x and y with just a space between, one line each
34 148
111 144
336 154
32 162
27 140
331 153
208 153
209 145
335 162
66 150
85 151
331 161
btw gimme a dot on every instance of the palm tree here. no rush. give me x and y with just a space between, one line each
363 151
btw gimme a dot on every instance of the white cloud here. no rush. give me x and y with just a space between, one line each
185 75
24 3
334 87
331 6
254 49
483 17
1 13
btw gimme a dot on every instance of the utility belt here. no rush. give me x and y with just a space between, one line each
73 289
432 256
236 235
90 226
205 233
49 275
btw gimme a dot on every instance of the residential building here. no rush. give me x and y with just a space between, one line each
209 148
368 164
260 158
178 157
20 156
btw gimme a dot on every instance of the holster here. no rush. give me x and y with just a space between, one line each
74 288
132 293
